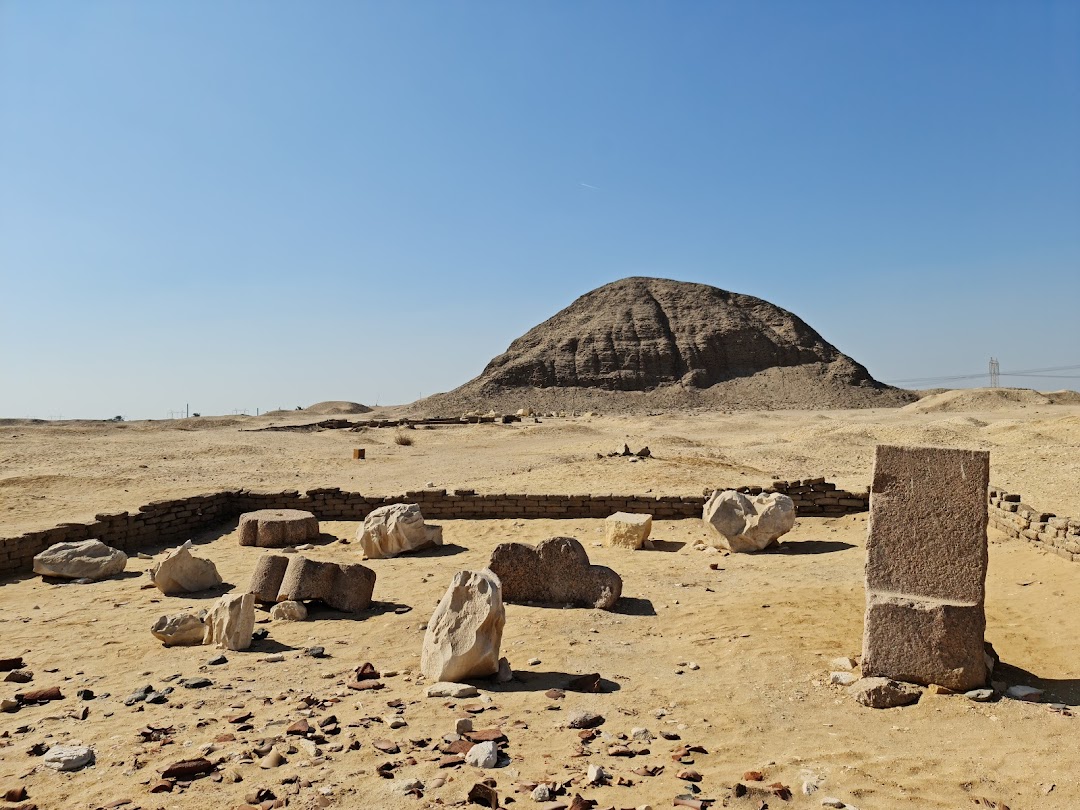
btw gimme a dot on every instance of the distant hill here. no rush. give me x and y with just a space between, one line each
648 343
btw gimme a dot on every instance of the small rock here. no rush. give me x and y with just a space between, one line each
452 690
1027 693
584 719
483 755
289 611
883 693
979 695
843 663
596 775
463 725
842 678
218 660
196 683
68 757
542 793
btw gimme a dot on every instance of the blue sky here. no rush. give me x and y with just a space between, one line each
262 204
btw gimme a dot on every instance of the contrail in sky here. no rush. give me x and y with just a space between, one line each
586 185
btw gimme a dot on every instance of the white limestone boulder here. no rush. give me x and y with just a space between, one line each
396 529
179 630
85 559
289 611
627 530
748 523
465 631
231 621
68 757
180 572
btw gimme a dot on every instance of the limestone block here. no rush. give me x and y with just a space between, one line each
180 572
288 611
277 528
396 529
231 621
928 523
748 523
555 572
179 629
925 641
465 631
267 576
85 559
627 530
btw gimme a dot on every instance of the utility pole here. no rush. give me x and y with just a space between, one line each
995 371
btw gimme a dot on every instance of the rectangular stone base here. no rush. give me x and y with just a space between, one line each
924 641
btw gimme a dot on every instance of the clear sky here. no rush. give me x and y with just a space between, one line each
249 205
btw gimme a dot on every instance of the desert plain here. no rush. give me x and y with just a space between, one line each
729 652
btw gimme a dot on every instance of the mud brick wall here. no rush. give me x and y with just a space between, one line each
1010 515
163 522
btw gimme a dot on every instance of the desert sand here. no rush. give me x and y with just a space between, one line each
761 629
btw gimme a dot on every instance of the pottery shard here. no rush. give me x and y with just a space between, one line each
626 530
555 572
180 572
230 622
926 558
465 631
396 529
748 523
345 587
85 559
277 528
179 629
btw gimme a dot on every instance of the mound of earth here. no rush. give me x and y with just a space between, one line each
984 399
332 407
647 343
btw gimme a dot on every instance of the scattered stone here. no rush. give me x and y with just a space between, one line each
386 746
592 683
452 690
542 793
19 676
196 683
218 660
465 631
627 530
85 559
505 674
596 775
316 652
745 523
180 572
68 757
230 622
179 629
396 529
584 719
289 611
926 567
555 572
483 755
843 663
883 693
843 678
277 528
980 695
1027 693
187 769
16 794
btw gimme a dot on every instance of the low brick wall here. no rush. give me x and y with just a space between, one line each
1010 515
163 522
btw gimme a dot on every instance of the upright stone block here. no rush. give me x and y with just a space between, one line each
926 567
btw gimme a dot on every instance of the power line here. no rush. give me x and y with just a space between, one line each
1031 372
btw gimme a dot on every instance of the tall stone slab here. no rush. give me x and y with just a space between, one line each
926 566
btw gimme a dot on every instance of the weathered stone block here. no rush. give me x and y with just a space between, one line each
924 641
277 528
627 530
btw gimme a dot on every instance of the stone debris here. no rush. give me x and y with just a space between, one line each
180 572
465 631
86 559
556 572
843 678
626 530
396 529
68 757
452 690
288 611
926 560
277 528
980 695
230 622
1028 693
843 663
584 719
884 693
745 523
483 755
347 587
179 629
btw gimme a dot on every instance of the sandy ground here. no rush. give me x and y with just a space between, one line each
51 473
762 628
